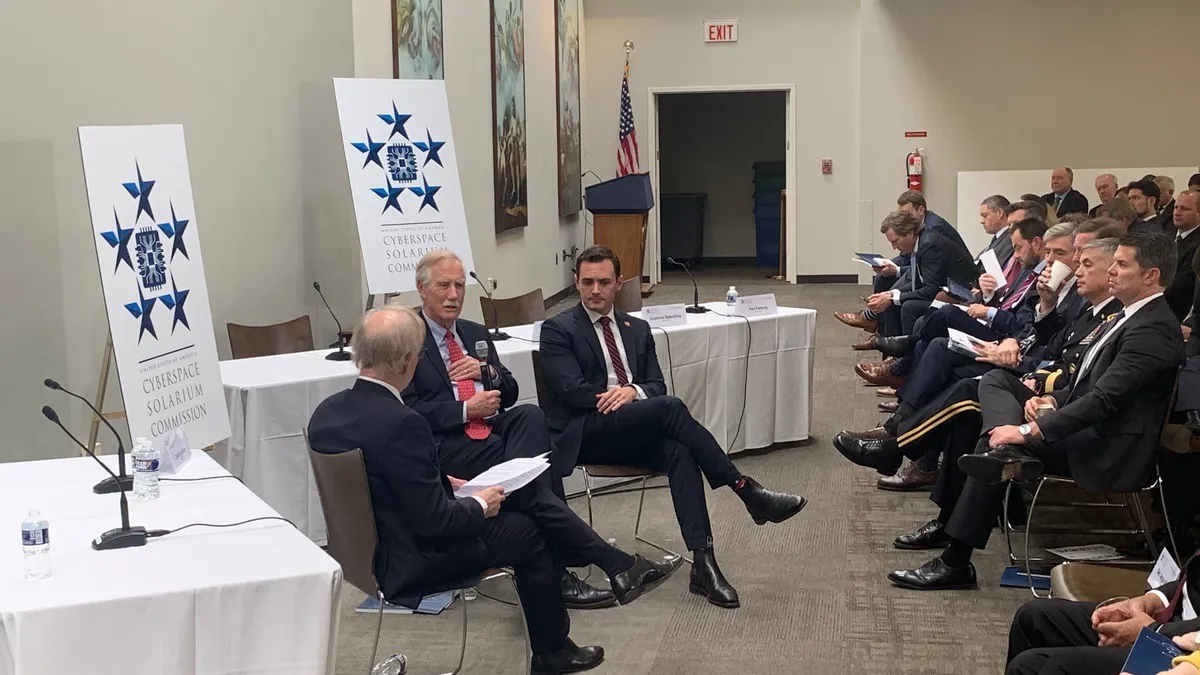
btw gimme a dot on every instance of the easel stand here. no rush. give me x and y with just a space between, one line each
106 364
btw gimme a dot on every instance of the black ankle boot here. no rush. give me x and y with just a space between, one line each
707 580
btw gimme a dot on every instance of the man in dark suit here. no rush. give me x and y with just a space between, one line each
1103 430
476 427
1166 203
611 407
1186 220
428 540
1064 198
1106 189
1143 197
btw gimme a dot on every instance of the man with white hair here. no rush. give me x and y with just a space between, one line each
1062 197
1106 189
1166 203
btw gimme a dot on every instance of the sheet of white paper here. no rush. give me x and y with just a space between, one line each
968 344
991 265
1089 552
511 475
937 304
1165 570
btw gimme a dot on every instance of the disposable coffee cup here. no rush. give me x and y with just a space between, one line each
1058 274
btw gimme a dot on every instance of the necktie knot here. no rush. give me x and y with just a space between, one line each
604 321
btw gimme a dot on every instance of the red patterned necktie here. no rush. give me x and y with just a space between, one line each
610 343
1019 293
1012 271
476 429
1164 615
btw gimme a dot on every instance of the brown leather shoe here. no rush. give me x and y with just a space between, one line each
886 392
856 320
877 375
866 345
889 407
910 478
878 433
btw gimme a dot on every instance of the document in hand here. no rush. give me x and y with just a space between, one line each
511 475
967 345
991 265
1151 654
870 259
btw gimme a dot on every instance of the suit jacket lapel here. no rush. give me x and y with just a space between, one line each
631 356
434 354
588 330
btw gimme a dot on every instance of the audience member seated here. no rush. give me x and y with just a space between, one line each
1119 209
1143 197
1063 198
1106 189
1185 219
430 541
1194 182
611 407
1166 203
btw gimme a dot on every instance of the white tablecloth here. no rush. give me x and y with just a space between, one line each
704 362
258 598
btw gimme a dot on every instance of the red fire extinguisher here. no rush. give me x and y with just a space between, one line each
915 167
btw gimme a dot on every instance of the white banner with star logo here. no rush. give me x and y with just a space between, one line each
148 246
403 176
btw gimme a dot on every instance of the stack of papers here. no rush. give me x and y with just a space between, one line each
967 345
430 604
1087 553
511 475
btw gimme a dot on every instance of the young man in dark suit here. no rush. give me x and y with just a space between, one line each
475 425
1185 222
430 541
611 407
1064 198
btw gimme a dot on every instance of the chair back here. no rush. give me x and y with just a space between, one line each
281 338
349 519
629 297
545 396
518 311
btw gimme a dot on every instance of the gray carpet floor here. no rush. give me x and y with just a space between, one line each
815 598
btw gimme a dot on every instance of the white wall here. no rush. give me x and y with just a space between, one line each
250 83
700 151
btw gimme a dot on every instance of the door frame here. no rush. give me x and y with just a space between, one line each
653 263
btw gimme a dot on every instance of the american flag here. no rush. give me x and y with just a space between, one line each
627 148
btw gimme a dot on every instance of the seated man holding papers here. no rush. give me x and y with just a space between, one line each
429 540
475 426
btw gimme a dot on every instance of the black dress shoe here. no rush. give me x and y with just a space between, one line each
1193 421
1001 463
930 535
898 346
642 576
936 575
708 581
768 505
578 594
568 658
883 455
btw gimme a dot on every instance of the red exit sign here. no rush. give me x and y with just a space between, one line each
721 31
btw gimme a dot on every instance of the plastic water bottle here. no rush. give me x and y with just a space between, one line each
145 470
731 297
35 541
396 664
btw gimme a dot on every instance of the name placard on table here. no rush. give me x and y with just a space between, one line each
665 316
756 305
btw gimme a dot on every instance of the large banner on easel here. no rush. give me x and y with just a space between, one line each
403 176
152 272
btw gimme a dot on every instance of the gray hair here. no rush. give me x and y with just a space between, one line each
385 339
427 261
1107 246
1060 230
1165 183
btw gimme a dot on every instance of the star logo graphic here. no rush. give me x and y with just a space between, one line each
426 193
175 302
174 231
397 121
141 310
119 239
391 194
371 150
141 192
431 148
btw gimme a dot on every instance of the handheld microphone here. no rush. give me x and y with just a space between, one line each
118 483
481 348
695 308
496 334
341 354
123 536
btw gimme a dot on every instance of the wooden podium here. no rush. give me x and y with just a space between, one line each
619 207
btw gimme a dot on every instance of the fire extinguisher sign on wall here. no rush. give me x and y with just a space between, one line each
915 168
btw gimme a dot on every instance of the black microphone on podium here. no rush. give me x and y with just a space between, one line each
341 354
120 482
496 335
695 308
120 537
483 351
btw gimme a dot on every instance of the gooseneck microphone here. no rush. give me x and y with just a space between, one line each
482 349
123 536
118 483
695 308
496 335
341 354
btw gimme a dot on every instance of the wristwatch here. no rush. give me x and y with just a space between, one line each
1026 432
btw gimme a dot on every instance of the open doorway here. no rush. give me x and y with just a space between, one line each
722 164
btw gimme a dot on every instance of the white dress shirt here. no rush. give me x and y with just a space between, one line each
1095 348
396 392
1183 234
616 329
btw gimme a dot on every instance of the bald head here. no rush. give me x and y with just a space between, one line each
387 342
1106 187
1061 180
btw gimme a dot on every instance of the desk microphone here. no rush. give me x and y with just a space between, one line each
341 354
695 308
123 536
496 335
481 348
118 483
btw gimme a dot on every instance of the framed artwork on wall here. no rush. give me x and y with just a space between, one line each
570 163
417 39
508 114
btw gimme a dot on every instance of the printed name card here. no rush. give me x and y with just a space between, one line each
537 331
756 305
665 316
175 454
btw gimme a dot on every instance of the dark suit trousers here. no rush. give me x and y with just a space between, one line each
932 373
1002 398
517 432
1188 397
883 283
660 434
952 317
1055 637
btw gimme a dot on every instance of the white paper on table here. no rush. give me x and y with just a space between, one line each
991 265
511 475
967 345
1087 553
1165 570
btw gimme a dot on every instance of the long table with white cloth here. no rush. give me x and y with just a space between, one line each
745 403
256 598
